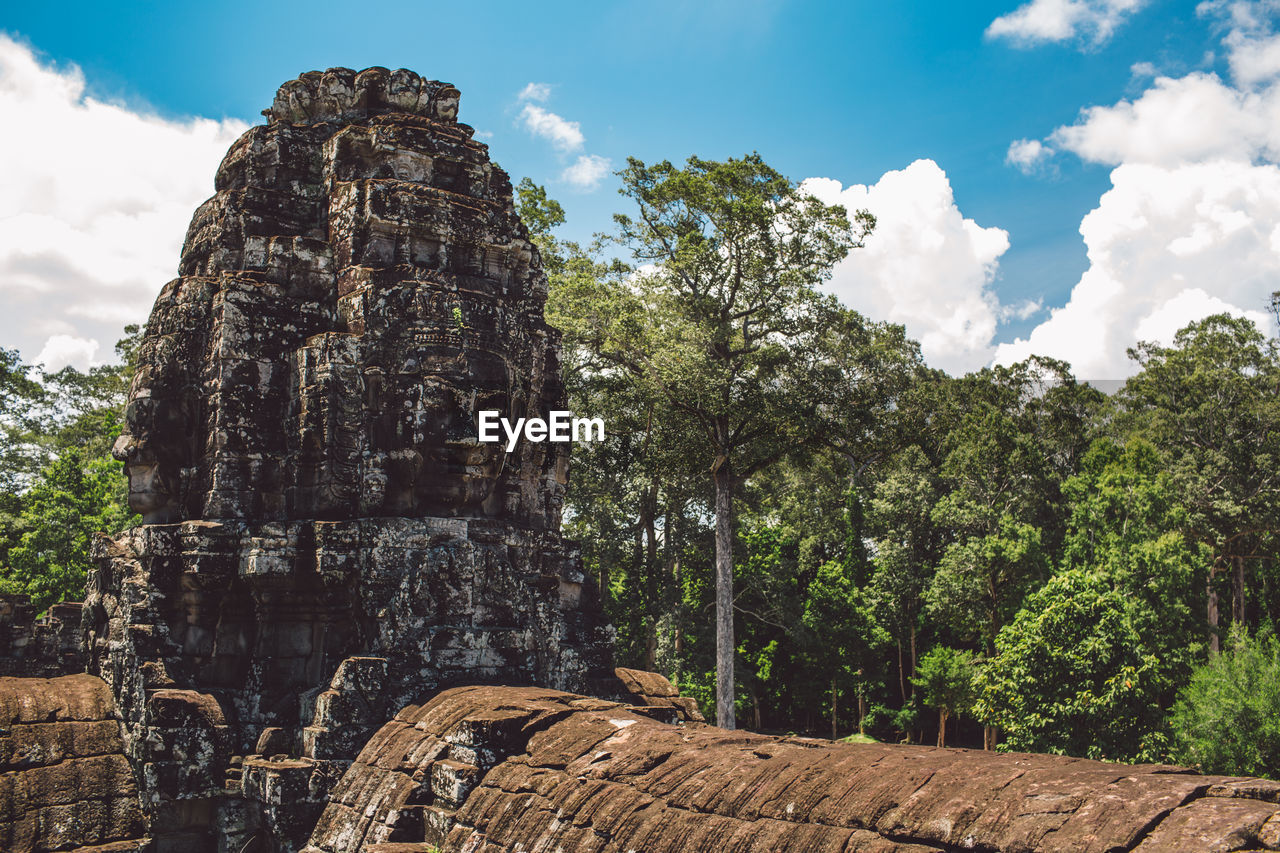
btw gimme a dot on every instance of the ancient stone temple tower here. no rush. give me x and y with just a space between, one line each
325 539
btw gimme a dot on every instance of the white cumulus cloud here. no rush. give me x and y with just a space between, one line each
1179 120
925 266
586 172
1167 245
94 203
62 350
1191 224
1041 21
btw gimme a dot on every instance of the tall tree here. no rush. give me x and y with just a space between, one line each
724 323
1211 402
1018 432
908 548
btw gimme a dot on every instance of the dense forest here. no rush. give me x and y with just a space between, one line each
809 530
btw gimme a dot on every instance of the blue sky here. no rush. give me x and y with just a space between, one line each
910 109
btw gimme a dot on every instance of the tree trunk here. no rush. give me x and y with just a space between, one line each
833 708
914 661
990 734
902 673
677 603
942 727
1212 595
724 595
651 575
862 709
1237 591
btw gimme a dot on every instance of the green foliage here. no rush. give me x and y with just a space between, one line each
1011 516
63 484
980 580
1015 434
1227 719
22 448
74 498
858 738
540 214
1211 404
1091 663
945 680
1076 673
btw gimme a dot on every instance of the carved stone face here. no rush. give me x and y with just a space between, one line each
447 104
431 409
150 491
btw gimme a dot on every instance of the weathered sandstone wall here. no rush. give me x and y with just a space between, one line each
65 783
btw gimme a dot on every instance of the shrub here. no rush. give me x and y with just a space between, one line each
1227 720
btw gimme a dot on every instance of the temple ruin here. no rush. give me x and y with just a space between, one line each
345 624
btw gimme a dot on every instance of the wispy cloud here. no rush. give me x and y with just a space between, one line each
565 136
536 92
586 172
1253 46
1093 22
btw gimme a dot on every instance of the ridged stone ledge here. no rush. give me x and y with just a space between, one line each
501 770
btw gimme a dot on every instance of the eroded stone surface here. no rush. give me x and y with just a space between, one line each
532 769
65 783
653 690
325 538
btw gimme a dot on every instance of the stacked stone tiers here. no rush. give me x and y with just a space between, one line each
266 613
65 782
